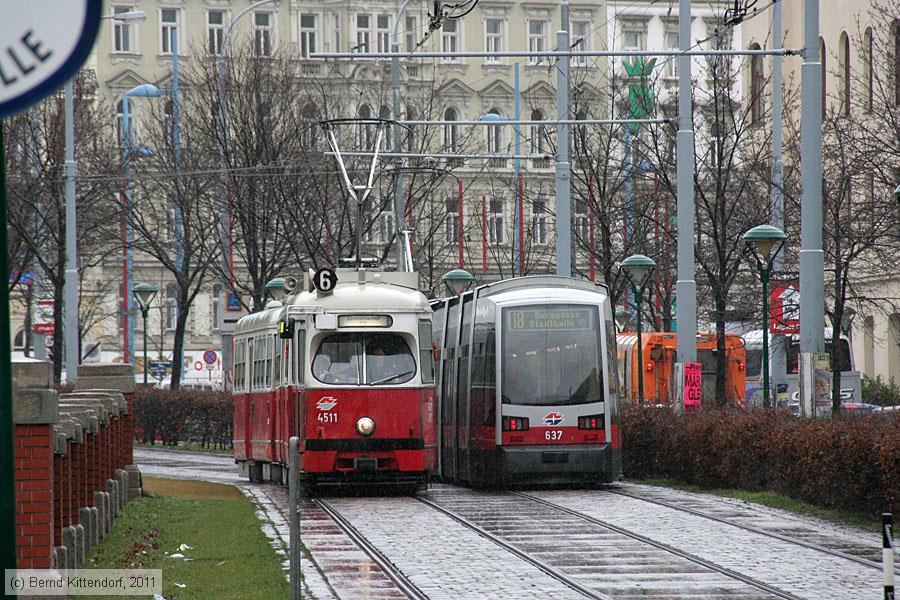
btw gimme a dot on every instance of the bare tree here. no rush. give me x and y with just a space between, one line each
36 156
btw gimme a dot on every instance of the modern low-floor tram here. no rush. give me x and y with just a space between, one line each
527 387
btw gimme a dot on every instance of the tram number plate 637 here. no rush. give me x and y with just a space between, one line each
327 417
553 434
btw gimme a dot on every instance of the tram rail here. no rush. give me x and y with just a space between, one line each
404 585
772 534
665 547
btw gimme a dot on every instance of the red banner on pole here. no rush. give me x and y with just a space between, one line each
784 303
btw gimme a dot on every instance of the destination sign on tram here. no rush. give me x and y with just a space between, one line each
564 319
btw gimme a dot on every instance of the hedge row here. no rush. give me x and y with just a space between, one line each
169 417
845 462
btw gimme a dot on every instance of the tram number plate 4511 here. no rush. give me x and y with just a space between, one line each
327 417
553 434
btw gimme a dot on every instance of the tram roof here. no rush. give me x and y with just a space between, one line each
356 291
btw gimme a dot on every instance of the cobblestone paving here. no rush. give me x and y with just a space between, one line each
604 560
861 543
791 568
443 558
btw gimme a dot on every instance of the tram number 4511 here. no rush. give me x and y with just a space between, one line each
553 434
327 417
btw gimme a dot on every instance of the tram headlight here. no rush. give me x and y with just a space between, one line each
365 426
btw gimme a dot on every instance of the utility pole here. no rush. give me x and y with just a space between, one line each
812 260
563 174
686 286
71 281
779 342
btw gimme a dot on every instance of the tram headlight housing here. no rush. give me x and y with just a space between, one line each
365 426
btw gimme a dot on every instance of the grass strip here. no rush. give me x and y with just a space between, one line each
230 556
773 500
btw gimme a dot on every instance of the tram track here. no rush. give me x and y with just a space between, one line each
543 566
757 530
404 585
762 586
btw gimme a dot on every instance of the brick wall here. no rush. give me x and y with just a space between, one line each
72 461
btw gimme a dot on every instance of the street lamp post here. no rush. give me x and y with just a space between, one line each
144 294
638 268
458 281
760 240
144 90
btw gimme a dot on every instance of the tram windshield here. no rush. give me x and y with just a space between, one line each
364 358
551 355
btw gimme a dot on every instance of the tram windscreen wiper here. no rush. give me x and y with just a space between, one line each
395 376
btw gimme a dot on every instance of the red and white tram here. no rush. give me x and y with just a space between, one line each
349 370
527 383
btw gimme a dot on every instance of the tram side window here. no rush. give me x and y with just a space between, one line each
426 356
239 366
267 374
277 362
300 357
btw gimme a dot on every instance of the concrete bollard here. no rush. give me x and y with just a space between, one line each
79 545
62 558
107 513
68 540
111 489
101 515
95 525
122 479
135 483
84 520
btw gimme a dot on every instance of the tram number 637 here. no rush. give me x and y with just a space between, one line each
327 417
553 435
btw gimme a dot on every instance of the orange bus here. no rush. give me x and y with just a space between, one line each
659 355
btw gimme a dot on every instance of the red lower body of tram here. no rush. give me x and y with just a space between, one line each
347 435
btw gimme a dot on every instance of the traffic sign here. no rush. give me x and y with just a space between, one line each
210 357
43 48
325 279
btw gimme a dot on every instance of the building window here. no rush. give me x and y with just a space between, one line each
363 33
263 32
450 39
493 40
671 62
538 141
582 221
120 123
495 223
868 57
412 34
308 35
580 134
453 223
215 31
387 135
309 134
581 41
495 140
171 316
451 132
336 31
383 23
366 133
539 222
168 20
123 31
634 37
216 312
757 81
537 40
845 74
